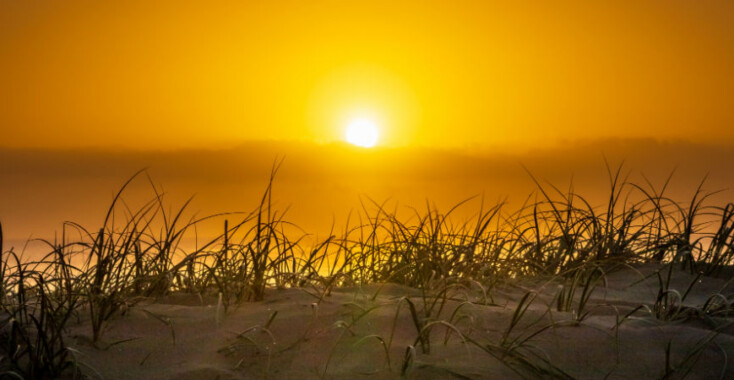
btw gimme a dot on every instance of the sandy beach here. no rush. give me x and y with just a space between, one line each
367 332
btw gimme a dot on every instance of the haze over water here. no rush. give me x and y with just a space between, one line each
209 96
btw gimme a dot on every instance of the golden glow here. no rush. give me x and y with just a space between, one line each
362 132
439 74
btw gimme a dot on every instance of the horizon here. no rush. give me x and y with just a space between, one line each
358 189
51 186
442 102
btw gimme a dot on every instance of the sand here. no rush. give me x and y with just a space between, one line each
353 333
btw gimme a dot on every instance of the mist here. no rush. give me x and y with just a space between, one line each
320 186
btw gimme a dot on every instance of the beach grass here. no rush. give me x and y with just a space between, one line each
94 275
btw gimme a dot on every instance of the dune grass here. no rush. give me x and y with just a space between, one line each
98 273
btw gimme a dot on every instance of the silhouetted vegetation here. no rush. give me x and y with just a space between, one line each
98 273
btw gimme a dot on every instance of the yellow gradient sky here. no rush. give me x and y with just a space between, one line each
167 74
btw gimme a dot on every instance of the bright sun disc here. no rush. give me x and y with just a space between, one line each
362 132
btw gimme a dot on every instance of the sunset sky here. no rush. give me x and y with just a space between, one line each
171 74
462 94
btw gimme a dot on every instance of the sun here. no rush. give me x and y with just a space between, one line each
362 132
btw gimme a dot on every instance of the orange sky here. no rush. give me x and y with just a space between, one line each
166 74
464 94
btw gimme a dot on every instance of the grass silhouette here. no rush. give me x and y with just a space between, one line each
558 236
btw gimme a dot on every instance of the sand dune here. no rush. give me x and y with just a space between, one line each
353 333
